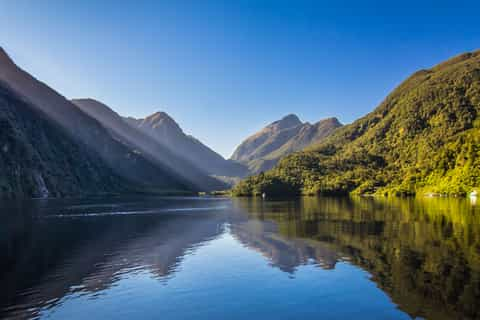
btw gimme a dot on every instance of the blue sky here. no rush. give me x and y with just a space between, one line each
224 69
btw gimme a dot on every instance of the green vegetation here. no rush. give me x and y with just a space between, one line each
425 137
52 148
39 159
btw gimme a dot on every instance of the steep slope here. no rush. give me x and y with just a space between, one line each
264 149
268 139
123 160
148 146
39 159
161 127
425 137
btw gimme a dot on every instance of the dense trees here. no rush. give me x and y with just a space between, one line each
425 137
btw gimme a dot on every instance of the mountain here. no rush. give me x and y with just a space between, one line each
161 127
38 158
265 148
148 146
424 137
140 172
268 139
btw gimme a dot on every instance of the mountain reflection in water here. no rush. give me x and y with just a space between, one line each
63 255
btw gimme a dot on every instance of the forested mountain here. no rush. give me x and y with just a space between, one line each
140 172
149 147
161 127
38 158
424 137
265 148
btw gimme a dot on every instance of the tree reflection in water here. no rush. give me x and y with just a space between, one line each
424 253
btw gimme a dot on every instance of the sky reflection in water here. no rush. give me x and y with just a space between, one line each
200 258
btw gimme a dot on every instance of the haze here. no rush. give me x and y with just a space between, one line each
212 64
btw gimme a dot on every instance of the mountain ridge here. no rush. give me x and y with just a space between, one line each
147 146
39 159
87 131
423 138
164 129
262 150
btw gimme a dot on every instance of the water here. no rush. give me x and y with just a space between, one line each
214 258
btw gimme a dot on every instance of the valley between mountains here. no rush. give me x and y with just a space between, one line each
423 138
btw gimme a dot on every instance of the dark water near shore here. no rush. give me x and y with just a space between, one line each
214 258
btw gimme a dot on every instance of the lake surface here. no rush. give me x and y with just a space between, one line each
216 258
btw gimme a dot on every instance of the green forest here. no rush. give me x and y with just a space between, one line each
424 138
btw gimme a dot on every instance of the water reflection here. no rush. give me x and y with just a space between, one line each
44 258
424 254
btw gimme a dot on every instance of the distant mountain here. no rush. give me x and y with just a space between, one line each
161 127
424 137
123 160
264 149
149 147
268 139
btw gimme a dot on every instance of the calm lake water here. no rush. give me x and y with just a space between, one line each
215 258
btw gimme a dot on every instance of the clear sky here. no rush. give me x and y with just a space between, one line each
224 69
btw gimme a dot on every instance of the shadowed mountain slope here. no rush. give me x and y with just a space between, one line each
38 158
148 146
124 161
161 127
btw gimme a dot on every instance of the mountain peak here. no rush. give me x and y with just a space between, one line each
289 121
262 150
158 116
161 119
377 149
165 130
290 117
332 120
